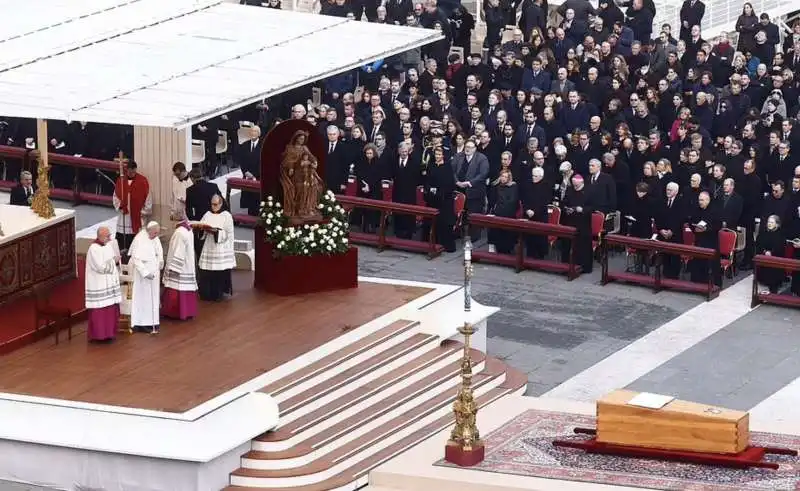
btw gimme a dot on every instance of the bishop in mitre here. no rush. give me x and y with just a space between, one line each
147 258
103 293
179 300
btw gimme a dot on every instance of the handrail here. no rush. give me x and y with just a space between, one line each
786 264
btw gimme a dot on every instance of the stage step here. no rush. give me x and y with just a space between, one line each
364 415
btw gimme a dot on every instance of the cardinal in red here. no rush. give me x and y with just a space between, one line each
133 201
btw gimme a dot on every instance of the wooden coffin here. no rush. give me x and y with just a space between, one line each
679 425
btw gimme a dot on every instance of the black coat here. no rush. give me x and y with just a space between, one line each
198 199
730 212
671 219
406 179
644 210
507 202
19 197
602 195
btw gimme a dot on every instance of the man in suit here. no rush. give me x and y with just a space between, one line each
471 169
249 159
669 227
336 164
601 190
22 195
529 129
692 12
406 176
198 202
730 205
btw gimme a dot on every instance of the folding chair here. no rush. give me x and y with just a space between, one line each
459 202
198 152
727 249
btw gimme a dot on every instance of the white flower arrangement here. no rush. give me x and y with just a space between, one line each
329 237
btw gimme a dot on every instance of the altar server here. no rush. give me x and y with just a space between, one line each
217 259
134 203
147 258
180 282
103 293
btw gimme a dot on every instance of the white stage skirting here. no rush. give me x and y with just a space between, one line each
70 445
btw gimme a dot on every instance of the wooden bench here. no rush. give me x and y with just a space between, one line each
785 263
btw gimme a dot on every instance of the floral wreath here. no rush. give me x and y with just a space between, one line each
328 237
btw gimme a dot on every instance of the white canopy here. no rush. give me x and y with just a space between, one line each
173 63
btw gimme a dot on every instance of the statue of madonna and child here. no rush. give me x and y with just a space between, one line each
301 184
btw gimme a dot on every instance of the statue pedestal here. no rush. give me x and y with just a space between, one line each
454 454
297 275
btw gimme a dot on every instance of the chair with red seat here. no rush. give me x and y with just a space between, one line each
350 188
687 237
387 189
459 202
553 218
727 249
598 224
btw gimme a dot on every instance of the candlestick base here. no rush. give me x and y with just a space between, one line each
455 454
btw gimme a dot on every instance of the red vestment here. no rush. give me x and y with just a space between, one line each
137 190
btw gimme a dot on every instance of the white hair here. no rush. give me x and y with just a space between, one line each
673 186
537 172
565 166
25 175
153 226
332 129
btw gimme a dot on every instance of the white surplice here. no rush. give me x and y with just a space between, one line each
102 277
179 272
217 252
177 208
147 258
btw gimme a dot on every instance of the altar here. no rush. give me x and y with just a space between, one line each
34 251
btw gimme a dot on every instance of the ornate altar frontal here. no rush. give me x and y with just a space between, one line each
34 252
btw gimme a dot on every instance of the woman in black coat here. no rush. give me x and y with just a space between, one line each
771 242
536 195
506 206
643 212
440 184
370 171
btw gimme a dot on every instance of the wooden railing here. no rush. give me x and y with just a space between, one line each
524 228
659 249
76 193
380 239
783 263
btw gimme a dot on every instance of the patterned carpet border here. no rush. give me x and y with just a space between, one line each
523 447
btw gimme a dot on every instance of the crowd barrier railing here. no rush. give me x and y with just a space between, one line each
785 263
380 239
659 249
76 194
523 228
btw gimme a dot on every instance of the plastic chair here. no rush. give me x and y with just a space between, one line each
727 249
221 149
598 223
243 133
741 239
615 218
687 237
198 151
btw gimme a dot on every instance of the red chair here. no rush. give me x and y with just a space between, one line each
519 211
387 189
553 218
351 188
727 249
459 202
598 223
688 239
420 200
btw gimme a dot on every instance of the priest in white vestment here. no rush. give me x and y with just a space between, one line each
180 282
103 293
147 260
216 259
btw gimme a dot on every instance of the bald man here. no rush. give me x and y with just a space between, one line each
103 293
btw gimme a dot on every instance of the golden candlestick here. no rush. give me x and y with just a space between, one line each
465 437
41 204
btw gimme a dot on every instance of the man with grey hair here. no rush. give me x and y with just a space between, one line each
336 167
406 176
601 190
22 195
669 226
731 204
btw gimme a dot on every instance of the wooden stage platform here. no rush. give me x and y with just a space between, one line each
191 362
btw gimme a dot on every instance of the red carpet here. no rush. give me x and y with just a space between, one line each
17 322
